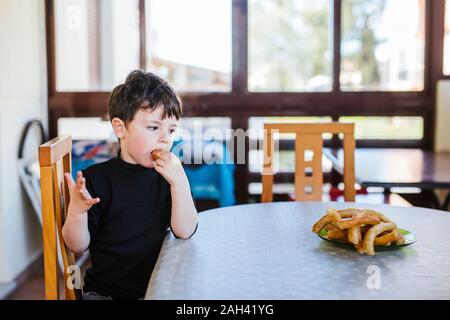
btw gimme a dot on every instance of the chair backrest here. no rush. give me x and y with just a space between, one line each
308 172
54 161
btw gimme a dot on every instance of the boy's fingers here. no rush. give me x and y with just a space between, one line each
158 168
165 155
84 193
160 162
69 179
79 177
93 201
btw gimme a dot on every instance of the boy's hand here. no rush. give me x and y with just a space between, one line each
80 199
169 166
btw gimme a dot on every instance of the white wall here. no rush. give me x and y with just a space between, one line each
442 133
23 96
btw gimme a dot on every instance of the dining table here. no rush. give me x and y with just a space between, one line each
267 251
399 168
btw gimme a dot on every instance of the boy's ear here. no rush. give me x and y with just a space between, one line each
118 127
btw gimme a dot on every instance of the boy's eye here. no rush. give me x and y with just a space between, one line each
152 128
172 131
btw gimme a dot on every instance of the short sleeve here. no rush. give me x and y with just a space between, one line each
94 213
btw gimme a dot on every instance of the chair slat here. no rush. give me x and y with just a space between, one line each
303 143
349 167
49 235
311 128
54 161
54 150
267 170
308 187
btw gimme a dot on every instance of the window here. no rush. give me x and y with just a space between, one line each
289 45
96 43
93 128
204 128
280 52
447 39
380 51
407 128
291 50
183 45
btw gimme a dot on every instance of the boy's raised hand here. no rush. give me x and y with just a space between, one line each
80 199
169 166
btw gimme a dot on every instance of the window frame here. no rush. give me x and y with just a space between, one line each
239 104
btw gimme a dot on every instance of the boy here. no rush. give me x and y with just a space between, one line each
121 209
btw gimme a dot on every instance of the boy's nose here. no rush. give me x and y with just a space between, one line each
164 138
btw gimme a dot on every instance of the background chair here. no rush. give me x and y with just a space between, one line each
308 171
54 161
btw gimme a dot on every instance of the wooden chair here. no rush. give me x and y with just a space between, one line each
308 174
54 161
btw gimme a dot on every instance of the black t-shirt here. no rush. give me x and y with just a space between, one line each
127 227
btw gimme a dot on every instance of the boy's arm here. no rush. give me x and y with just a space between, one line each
75 230
184 214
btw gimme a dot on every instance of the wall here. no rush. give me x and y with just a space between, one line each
23 96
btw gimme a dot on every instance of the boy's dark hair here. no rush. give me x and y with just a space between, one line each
143 90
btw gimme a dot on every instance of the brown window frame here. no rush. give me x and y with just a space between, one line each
239 104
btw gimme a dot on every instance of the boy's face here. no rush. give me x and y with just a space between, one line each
147 132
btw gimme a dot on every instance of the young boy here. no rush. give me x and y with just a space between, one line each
121 209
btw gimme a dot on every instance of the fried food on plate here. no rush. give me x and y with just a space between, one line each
340 235
348 213
364 228
354 234
331 217
325 220
358 220
371 234
400 240
330 226
382 217
385 240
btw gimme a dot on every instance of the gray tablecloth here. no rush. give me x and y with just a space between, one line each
267 251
